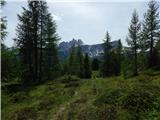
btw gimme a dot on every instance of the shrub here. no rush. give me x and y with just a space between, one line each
109 97
47 102
94 113
69 81
67 78
139 100
19 97
26 113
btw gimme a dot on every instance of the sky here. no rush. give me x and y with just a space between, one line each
87 20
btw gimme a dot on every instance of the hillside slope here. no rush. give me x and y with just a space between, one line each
70 98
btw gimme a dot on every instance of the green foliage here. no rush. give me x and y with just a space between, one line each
96 99
3 23
67 79
95 64
37 41
10 70
133 38
77 64
138 101
109 98
151 29
112 58
26 113
72 63
127 67
106 64
19 96
87 67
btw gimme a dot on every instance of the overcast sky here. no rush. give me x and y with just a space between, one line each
82 19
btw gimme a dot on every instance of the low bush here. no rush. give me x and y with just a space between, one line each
19 97
139 101
67 79
109 97
46 102
94 113
26 113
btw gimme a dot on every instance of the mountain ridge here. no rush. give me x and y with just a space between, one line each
94 50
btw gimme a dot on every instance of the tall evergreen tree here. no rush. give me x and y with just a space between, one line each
151 28
95 64
51 48
3 23
73 68
133 37
25 42
118 58
106 64
80 62
37 39
87 67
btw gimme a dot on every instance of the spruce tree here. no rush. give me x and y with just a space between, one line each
80 62
133 37
73 68
95 64
87 66
118 58
37 40
151 29
52 39
3 23
106 64
25 42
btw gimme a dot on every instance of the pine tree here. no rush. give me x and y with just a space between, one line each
151 28
118 58
37 40
25 42
133 37
3 23
51 48
87 67
142 46
106 64
80 62
95 64
73 68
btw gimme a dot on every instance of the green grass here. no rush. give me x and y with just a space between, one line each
70 98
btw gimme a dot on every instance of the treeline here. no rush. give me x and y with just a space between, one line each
78 64
144 46
144 39
35 57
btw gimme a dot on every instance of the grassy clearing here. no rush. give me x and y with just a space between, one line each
70 98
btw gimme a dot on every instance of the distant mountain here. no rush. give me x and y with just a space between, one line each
94 51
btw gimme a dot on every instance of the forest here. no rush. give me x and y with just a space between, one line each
123 84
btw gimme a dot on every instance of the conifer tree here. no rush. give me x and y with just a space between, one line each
72 61
25 42
133 37
95 64
37 40
151 29
87 66
118 58
106 64
3 23
80 62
